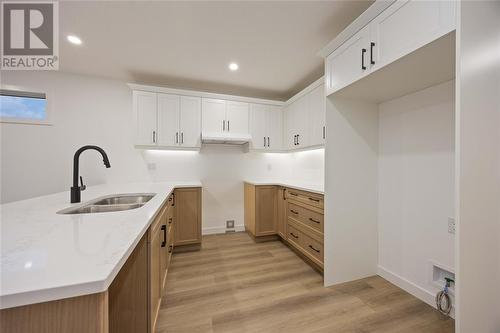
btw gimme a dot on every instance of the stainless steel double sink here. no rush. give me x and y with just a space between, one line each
111 203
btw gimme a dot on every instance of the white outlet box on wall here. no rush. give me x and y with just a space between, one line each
451 225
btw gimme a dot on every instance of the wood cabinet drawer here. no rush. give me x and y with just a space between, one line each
294 235
306 216
309 198
313 247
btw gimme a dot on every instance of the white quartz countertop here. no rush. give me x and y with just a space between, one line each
298 185
47 256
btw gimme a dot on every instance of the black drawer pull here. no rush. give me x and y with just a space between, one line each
313 199
294 235
293 211
294 194
363 51
314 248
164 229
313 220
170 220
372 44
170 249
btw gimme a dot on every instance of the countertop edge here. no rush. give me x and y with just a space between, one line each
285 184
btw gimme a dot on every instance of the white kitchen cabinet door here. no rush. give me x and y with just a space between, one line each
301 122
213 116
316 115
145 112
237 118
168 120
349 62
290 128
190 122
258 118
274 127
408 25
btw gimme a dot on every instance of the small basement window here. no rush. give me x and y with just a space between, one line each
23 107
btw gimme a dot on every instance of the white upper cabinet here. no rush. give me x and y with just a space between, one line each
236 118
266 127
316 115
274 127
145 114
258 119
304 119
190 121
221 118
213 116
400 29
349 62
166 120
408 25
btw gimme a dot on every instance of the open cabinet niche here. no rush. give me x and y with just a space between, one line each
390 170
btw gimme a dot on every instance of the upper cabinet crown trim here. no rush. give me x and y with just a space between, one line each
305 91
359 23
194 93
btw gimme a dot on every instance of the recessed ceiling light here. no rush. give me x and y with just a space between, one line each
74 40
233 66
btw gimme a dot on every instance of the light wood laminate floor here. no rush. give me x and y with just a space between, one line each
236 285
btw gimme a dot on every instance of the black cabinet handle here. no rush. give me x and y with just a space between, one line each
324 132
294 211
264 141
363 51
294 194
170 220
313 199
164 229
284 197
314 248
173 199
294 235
295 140
372 44
182 137
176 137
313 220
170 248
298 142
268 142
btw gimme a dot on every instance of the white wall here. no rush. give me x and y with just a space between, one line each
416 187
350 190
37 160
478 137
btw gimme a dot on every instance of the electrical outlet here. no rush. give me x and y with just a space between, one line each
451 225
230 224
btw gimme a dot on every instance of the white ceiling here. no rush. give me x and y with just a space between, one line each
190 44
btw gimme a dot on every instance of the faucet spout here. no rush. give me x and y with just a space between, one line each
76 189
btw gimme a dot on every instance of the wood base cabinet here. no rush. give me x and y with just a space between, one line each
261 211
296 216
305 225
187 217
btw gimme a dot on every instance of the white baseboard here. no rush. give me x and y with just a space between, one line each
410 287
220 230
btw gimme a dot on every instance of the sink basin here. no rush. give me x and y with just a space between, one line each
110 203
125 199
